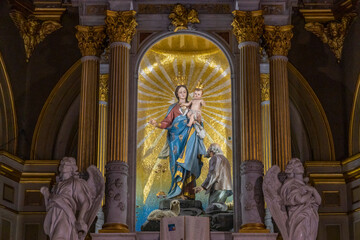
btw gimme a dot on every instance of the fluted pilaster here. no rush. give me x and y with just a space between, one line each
278 39
90 43
120 29
103 117
265 120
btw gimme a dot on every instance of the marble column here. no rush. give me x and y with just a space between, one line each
120 27
90 40
247 28
278 40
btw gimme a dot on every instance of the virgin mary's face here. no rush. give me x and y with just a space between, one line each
182 93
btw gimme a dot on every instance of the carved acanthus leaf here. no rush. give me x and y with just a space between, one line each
265 86
278 40
32 30
248 26
181 17
121 25
333 33
103 87
91 39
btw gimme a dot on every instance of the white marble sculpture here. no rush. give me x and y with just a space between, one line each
293 204
73 202
158 214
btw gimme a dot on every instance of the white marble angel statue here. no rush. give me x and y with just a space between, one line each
293 204
73 202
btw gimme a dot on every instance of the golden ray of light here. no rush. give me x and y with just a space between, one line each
155 74
191 72
163 71
217 121
150 89
148 117
228 110
219 134
184 67
219 78
221 116
175 66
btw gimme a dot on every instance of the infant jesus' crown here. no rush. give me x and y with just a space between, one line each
199 85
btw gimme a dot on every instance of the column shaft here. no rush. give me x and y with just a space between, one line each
265 120
103 118
250 102
280 114
88 119
278 39
118 103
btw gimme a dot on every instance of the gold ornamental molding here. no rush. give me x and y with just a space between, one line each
278 40
91 39
333 33
325 12
120 26
181 17
265 86
32 30
104 87
248 26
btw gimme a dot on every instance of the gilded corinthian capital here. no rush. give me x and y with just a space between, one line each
91 39
247 26
121 25
278 40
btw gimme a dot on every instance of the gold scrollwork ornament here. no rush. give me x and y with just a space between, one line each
181 17
248 26
91 39
278 40
32 30
265 86
103 87
333 34
121 25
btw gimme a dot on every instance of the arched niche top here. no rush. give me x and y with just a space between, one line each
59 114
8 121
315 132
354 129
156 37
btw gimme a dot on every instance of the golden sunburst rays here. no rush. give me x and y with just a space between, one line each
156 84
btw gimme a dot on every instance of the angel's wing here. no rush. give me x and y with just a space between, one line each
47 27
96 185
18 19
318 29
271 189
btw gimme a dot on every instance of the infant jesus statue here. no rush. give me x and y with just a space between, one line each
194 113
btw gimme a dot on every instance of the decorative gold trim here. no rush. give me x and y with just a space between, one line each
62 80
253 228
12 157
13 112
333 34
333 214
114 228
181 17
351 127
322 163
104 87
32 30
265 86
91 39
248 26
120 26
317 15
351 159
318 105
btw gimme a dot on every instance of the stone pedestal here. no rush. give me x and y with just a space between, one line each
252 199
254 236
115 208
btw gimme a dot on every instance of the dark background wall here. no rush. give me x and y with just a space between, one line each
32 82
